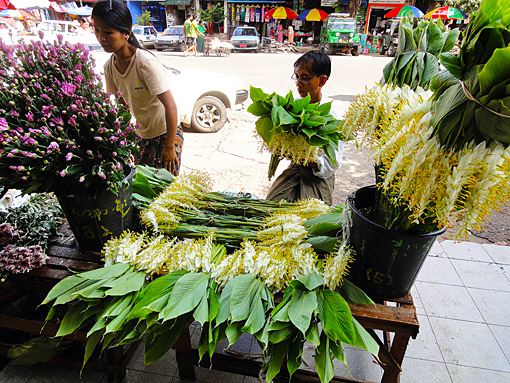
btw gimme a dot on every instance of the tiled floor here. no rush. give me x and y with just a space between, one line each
462 298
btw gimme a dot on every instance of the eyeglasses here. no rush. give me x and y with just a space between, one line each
301 79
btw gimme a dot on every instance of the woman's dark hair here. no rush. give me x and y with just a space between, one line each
320 62
116 15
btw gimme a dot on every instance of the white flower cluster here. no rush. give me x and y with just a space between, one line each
336 266
184 192
293 147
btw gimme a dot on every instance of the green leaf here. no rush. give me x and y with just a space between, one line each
301 307
354 294
338 352
325 108
106 272
311 281
278 336
363 339
257 94
186 295
158 345
234 332
256 319
75 316
285 117
214 304
224 309
278 352
201 313
295 354
126 284
495 71
323 243
69 295
299 104
335 316
62 287
265 128
117 323
243 292
323 362
92 341
259 109
312 335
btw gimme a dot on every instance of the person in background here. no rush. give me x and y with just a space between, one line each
187 33
279 33
316 180
194 33
290 32
201 37
20 27
138 78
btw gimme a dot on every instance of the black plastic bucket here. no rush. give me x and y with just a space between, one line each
95 221
387 261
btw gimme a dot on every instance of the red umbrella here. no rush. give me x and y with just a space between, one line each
281 13
6 4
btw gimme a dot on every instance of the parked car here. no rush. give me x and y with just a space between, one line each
172 38
202 97
146 35
245 38
389 39
68 29
7 33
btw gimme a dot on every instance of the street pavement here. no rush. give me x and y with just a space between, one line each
232 156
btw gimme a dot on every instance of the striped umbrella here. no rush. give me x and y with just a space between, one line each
446 13
281 13
313 14
405 10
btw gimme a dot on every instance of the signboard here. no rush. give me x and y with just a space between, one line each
328 3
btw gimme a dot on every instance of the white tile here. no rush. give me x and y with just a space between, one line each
440 270
420 371
447 301
463 374
362 366
502 335
493 305
465 250
481 275
506 270
437 250
425 345
469 344
500 254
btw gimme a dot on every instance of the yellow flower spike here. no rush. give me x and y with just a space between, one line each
336 266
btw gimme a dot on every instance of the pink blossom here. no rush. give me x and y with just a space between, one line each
63 173
52 146
30 116
68 89
81 179
101 175
119 166
69 156
3 124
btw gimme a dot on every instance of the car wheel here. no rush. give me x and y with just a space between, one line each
258 49
182 47
391 50
326 48
383 50
159 49
209 115
356 51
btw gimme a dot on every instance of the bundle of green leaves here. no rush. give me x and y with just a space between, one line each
416 61
295 129
473 95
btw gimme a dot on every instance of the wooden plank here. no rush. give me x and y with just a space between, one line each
38 327
386 318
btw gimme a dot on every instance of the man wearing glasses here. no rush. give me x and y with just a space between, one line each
316 180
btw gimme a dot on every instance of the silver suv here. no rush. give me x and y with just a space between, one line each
146 35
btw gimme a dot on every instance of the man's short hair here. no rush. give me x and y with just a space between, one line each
319 62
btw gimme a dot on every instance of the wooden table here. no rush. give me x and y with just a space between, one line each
397 317
63 255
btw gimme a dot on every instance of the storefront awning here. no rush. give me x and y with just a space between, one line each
81 11
177 2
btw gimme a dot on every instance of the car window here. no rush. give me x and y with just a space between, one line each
245 32
138 30
173 31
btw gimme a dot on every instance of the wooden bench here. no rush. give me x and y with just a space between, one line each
397 317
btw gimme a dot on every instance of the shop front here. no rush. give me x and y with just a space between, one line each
251 13
157 10
375 13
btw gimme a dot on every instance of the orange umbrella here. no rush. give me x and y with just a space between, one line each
281 13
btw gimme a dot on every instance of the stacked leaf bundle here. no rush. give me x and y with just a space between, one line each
473 94
295 129
416 62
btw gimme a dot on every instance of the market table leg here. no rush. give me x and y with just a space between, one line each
398 350
184 356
